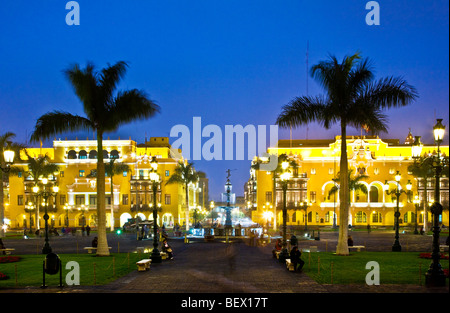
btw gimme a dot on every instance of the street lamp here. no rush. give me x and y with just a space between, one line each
435 276
66 209
284 177
46 194
416 202
30 208
8 157
396 247
155 181
304 206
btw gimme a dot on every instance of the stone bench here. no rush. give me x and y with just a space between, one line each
90 249
143 265
290 265
7 250
357 248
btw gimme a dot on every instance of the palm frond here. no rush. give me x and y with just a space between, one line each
56 122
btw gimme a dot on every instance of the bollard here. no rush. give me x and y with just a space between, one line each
420 274
114 267
77 246
15 273
128 260
94 276
118 247
309 258
318 265
186 240
326 246
332 273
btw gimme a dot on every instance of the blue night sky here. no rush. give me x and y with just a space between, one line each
229 62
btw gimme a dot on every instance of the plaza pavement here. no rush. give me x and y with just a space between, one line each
220 267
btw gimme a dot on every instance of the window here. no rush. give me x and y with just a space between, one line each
20 200
312 196
92 199
167 173
166 199
269 196
81 173
361 217
79 199
62 199
125 173
313 171
19 174
61 174
108 200
125 199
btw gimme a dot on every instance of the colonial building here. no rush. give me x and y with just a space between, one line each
128 194
315 163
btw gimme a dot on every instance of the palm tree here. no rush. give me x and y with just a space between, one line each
184 174
352 98
37 168
105 112
354 184
4 140
112 169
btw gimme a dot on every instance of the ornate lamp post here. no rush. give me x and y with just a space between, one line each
155 181
30 208
8 156
304 206
434 276
46 194
396 247
284 177
416 204
66 219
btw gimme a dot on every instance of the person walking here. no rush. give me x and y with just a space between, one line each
88 230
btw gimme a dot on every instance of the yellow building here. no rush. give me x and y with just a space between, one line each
317 163
75 203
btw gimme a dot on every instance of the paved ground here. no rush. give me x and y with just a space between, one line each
217 267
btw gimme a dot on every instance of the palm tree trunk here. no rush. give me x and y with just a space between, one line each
187 206
102 247
112 204
342 246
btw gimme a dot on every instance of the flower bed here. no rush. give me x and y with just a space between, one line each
9 259
3 276
428 256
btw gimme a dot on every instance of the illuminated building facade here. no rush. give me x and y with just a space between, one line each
309 201
75 203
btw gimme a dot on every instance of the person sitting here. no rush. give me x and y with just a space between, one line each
350 241
2 246
95 242
296 259
167 249
278 247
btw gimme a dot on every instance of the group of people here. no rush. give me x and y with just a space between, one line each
294 255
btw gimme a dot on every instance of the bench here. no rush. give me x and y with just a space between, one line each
143 265
90 249
290 265
357 248
443 247
7 250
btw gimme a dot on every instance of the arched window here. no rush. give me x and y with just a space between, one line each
373 194
72 155
93 154
105 154
361 217
82 154
114 154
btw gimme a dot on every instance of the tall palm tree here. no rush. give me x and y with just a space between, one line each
184 174
38 168
352 98
4 140
105 112
112 169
